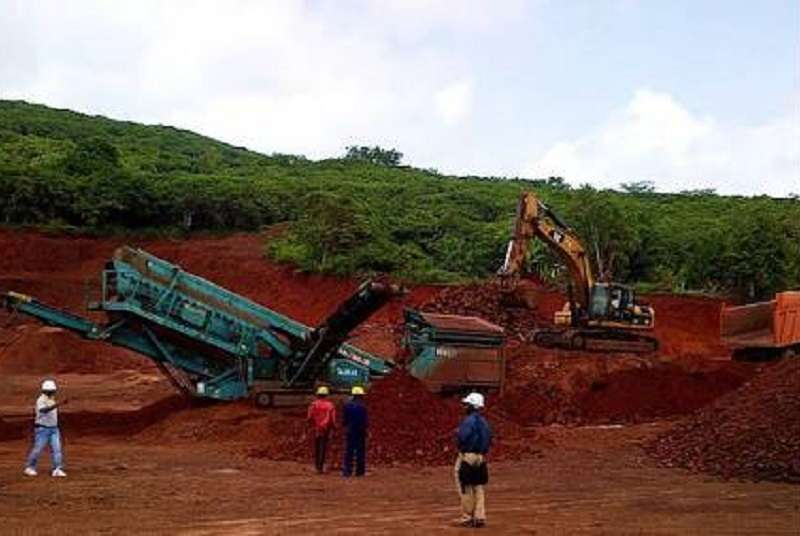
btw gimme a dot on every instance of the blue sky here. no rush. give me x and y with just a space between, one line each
702 94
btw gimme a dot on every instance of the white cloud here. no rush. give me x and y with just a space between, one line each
655 138
454 102
281 76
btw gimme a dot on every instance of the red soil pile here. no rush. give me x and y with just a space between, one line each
83 423
485 301
647 394
751 433
407 424
546 386
42 350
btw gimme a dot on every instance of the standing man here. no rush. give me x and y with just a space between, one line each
45 431
355 422
322 413
474 437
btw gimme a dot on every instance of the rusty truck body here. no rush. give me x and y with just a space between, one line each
763 330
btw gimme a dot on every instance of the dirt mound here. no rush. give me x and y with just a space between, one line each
652 393
83 423
551 386
751 433
487 302
32 349
408 424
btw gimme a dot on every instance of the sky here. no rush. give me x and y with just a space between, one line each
688 94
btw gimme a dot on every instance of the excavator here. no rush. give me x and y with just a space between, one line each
598 316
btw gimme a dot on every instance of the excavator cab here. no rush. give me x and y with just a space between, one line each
611 302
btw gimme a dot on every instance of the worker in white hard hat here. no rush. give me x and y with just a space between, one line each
474 438
322 414
46 432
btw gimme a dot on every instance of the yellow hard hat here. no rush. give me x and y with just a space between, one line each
323 390
357 390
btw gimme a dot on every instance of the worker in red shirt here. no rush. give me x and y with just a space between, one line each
322 414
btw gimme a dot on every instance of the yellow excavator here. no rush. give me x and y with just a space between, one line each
598 316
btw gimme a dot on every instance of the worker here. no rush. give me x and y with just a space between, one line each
322 414
474 438
355 423
46 432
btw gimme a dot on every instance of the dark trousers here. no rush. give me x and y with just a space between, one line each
355 447
320 450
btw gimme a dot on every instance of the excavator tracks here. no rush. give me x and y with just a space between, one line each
595 340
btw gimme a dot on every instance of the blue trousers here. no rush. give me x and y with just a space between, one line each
355 447
43 436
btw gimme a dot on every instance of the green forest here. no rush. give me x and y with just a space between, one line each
366 212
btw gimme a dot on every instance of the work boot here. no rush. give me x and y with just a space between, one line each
30 471
58 472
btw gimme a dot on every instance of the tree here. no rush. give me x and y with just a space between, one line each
761 253
557 183
374 155
638 187
607 230
701 192
331 229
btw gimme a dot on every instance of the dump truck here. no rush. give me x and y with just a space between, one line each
764 330
451 352
212 343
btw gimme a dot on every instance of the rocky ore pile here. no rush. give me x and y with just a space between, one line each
486 302
752 433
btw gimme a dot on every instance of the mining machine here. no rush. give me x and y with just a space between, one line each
598 316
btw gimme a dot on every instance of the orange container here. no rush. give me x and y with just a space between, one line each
772 324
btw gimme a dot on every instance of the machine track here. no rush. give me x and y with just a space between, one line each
595 340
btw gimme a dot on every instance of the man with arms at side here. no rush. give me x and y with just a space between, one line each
474 438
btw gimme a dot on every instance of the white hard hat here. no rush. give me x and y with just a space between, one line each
49 385
473 399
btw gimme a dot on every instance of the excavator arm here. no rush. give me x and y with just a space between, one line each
535 219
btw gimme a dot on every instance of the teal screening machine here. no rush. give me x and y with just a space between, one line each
212 343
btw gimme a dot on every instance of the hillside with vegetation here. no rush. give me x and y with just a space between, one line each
365 212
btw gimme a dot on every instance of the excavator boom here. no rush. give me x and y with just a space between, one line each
536 220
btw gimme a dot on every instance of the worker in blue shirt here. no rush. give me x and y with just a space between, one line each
355 424
474 438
